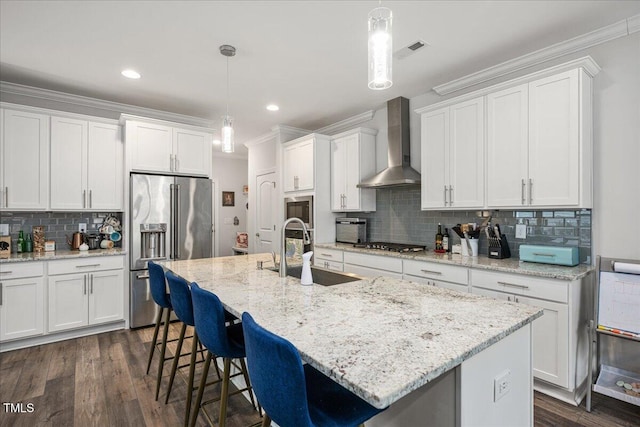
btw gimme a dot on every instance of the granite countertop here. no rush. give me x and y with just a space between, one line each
509 265
380 338
61 254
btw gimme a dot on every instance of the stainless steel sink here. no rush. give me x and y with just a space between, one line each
322 276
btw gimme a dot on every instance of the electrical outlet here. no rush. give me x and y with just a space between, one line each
4 229
521 231
501 385
82 227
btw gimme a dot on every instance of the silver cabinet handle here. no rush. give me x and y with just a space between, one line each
91 283
142 276
257 234
87 265
542 254
171 162
450 195
90 200
175 163
524 200
84 199
84 285
513 285
516 299
329 255
509 298
445 195
530 191
177 240
6 272
0 293
6 197
432 272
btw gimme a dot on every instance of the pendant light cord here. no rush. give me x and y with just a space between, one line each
227 86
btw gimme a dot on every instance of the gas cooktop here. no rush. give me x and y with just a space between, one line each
392 247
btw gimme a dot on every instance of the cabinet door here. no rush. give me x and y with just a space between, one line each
106 296
507 147
68 298
25 161
352 173
105 168
466 155
290 169
304 157
554 139
192 151
338 174
21 308
68 164
150 146
435 136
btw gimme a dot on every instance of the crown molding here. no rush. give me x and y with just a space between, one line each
586 63
124 118
84 101
633 24
288 132
347 123
593 38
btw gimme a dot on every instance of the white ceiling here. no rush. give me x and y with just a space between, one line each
309 57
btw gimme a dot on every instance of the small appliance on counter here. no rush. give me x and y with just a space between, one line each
351 230
550 255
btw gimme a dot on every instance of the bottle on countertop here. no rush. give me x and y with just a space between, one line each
28 244
439 238
20 243
446 242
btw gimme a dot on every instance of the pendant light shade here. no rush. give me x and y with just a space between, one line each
227 121
380 48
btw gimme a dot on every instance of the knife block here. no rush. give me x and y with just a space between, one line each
498 248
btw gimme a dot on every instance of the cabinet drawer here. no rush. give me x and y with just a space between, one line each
329 254
86 265
373 261
431 270
549 289
18 270
329 265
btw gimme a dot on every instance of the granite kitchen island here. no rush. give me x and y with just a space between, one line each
432 355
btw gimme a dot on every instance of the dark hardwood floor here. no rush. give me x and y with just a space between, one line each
100 380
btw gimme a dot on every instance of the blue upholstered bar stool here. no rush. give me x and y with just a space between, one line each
181 301
222 339
293 394
158 287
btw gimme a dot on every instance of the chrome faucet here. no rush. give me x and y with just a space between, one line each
306 239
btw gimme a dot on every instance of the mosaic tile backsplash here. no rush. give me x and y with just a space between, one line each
57 225
398 219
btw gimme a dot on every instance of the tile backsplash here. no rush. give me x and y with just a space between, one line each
398 219
57 225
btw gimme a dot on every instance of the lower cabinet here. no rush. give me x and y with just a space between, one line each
330 259
21 300
90 297
436 274
372 265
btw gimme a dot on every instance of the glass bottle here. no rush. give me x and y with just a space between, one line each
20 244
439 238
28 244
445 240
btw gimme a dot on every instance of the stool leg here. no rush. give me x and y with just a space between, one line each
224 396
203 383
163 349
155 337
245 373
192 372
176 360
266 421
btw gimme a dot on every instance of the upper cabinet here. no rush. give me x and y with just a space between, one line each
86 165
155 147
452 156
538 143
24 148
543 129
353 158
299 165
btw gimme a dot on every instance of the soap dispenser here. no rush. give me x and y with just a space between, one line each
306 278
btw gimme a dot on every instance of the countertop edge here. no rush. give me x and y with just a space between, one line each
63 254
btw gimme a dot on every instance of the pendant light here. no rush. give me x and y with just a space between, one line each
380 48
227 120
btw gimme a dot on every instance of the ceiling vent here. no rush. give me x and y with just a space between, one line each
410 49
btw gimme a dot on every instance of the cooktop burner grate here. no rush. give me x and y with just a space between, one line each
392 247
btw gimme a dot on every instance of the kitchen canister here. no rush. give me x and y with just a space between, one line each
38 238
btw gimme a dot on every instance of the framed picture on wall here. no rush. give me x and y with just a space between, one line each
228 198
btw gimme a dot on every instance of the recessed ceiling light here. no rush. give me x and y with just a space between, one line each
216 142
131 74
272 107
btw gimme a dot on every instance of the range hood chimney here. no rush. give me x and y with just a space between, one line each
398 172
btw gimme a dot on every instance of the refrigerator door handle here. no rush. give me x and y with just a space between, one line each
177 223
171 220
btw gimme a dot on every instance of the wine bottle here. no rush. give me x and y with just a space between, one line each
28 244
445 240
20 244
439 238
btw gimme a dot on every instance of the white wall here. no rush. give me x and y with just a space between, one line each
229 174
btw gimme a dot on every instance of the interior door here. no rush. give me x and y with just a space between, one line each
265 212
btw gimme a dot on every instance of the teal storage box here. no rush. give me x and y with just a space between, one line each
550 254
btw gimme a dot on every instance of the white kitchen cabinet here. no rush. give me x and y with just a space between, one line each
85 292
21 300
299 165
539 143
24 147
353 158
86 165
452 156
558 334
372 265
437 274
157 147
330 259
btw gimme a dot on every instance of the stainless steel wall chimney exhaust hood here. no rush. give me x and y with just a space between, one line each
398 172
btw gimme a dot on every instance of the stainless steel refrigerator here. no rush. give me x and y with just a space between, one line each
171 218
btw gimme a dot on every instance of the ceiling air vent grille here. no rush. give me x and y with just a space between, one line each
410 49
